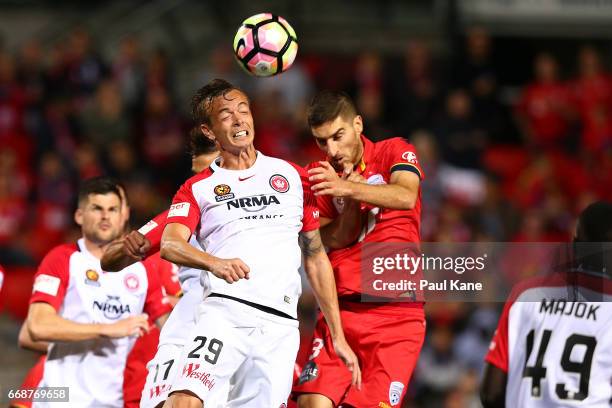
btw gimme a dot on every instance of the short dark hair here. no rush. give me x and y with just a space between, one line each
201 101
200 144
98 185
328 105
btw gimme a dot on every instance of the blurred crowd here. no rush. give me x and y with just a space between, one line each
517 168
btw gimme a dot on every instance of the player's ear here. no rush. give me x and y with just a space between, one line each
358 124
78 216
207 132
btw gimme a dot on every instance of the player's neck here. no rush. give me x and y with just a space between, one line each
95 248
242 160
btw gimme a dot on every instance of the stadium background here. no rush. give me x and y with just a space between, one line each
103 88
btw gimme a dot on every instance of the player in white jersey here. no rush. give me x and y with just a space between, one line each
553 344
91 317
144 242
248 212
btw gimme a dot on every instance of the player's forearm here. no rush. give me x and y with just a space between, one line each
345 228
180 252
390 196
114 258
53 328
321 277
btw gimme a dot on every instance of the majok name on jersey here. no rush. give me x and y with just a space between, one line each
562 307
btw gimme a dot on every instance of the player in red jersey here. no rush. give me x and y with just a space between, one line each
376 199
85 312
553 343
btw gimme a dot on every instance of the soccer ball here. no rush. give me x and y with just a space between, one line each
265 45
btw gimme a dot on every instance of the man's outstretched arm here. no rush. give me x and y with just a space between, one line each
321 277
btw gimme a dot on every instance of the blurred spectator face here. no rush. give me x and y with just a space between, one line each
222 60
458 104
130 49
80 43
121 156
589 61
478 43
7 68
545 67
418 59
31 55
369 103
109 99
425 145
340 140
51 166
100 218
158 102
442 339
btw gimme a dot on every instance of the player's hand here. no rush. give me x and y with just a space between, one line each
130 326
348 357
325 181
230 270
136 245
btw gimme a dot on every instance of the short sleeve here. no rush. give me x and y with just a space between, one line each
184 209
310 216
154 303
401 156
498 348
52 277
153 231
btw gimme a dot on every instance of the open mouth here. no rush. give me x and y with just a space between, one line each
242 133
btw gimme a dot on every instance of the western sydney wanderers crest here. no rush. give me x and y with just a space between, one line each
223 192
92 277
279 183
131 282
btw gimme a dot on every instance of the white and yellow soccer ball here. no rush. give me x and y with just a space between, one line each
265 45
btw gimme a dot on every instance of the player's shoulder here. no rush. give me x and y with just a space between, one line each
393 143
201 176
61 252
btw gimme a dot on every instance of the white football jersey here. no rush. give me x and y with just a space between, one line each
255 215
555 344
71 280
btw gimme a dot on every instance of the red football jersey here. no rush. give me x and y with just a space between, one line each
153 230
379 161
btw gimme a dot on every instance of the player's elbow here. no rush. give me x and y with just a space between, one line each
167 248
492 399
108 264
37 330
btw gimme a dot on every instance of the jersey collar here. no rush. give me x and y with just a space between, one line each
368 147
215 166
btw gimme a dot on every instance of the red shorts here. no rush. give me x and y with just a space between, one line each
387 343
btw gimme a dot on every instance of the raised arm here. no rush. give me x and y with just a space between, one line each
125 251
321 277
25 340
175 248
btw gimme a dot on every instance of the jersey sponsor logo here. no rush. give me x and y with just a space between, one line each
315 214
376 179
410 157
46 284
245 178
383 405
148 227
112 308
131 282
191 371
253 203
309 373
159 390
395 392
92 277
223 192
279 183
179 210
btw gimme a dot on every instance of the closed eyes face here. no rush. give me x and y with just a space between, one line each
231 121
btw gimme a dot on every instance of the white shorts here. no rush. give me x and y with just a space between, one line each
163 367
251 351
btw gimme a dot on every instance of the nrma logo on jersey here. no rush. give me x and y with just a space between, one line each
112 308
253 203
